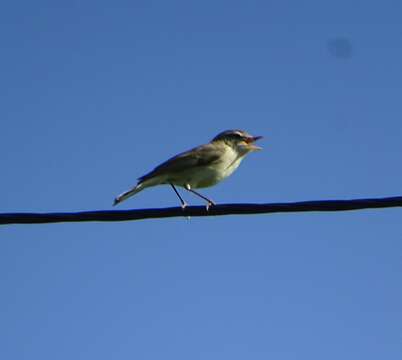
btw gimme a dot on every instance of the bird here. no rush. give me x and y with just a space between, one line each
201 167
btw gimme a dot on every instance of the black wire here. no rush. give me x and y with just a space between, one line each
218 210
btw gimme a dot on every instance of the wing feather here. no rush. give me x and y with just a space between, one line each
203 155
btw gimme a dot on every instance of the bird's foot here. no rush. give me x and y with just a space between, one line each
183 206
209 204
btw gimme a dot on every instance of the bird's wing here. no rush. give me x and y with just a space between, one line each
203 155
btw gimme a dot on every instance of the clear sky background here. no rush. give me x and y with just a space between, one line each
96 93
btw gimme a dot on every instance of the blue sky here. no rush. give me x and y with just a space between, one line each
95 94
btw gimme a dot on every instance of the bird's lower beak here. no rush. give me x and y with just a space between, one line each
251 141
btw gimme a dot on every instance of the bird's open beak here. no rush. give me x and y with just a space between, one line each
250 142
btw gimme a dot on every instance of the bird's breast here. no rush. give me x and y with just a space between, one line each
209 175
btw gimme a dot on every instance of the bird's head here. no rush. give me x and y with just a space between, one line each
239 140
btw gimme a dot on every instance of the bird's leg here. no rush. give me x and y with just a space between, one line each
209 201
183 203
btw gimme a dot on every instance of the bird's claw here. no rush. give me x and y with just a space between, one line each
209 204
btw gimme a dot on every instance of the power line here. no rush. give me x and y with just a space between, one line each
218 210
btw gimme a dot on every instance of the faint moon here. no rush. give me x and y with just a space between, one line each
340 47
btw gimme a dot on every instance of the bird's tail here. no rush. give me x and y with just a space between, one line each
136 189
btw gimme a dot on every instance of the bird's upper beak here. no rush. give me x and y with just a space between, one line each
250 142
